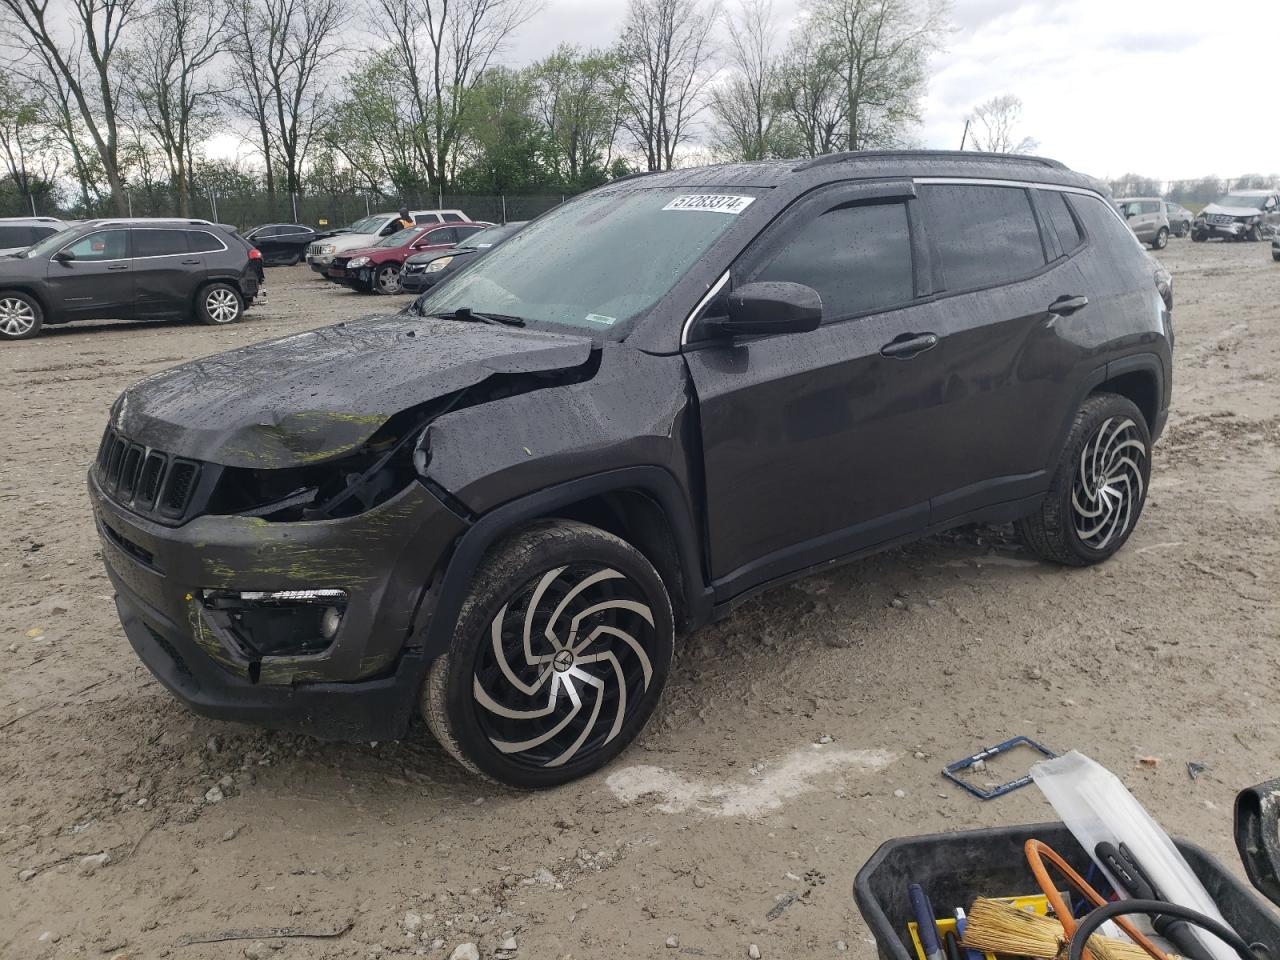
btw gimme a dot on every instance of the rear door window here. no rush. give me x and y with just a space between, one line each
1061 222
984 235
453 218
858 258
159 243
426 218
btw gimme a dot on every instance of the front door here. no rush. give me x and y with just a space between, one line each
93 279
818 444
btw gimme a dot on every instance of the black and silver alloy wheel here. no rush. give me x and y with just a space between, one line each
20 316
559 657
1098 487
1109 484
564 658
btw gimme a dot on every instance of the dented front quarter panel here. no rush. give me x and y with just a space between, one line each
319 395
636 410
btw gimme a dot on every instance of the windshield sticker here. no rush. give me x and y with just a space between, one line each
713 202
601 319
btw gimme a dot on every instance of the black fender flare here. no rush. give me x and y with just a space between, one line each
1133 363
471 546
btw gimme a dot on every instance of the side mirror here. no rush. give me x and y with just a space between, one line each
1258 836
64 256
768 307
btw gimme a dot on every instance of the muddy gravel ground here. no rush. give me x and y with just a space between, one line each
794 737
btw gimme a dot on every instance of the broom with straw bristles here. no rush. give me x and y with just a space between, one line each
996 927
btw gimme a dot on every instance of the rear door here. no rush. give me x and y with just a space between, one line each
163 267
998 278
97 281
441 238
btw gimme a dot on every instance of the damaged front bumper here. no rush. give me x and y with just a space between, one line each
362 684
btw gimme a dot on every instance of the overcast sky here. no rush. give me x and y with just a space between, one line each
1108 86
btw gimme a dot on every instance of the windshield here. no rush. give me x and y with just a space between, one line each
487 238
594 262
368 225
399 238
1241 200
49 244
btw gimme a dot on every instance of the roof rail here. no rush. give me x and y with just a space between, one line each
632 176
926 155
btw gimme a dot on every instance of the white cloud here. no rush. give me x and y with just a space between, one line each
1110 86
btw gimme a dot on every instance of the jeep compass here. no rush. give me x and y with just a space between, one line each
500 509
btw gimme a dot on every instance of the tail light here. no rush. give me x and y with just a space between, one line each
255 253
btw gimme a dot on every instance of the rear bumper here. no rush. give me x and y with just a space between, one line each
362 686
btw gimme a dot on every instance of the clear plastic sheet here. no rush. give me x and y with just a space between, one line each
1097 807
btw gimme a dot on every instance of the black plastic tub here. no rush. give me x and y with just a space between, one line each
954 868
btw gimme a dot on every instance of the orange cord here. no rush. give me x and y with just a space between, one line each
1035 850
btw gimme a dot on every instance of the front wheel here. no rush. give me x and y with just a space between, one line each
387 279
1098 488
219 304
1162 239
1199 236
20 315
558 657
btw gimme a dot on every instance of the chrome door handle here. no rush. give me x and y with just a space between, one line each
119 266
1066 305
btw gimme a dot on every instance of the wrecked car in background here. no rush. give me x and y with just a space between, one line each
1240 215
654 401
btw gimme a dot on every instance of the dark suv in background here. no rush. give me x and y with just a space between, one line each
129 270
654 401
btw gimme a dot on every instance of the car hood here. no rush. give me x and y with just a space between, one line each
319 395
430 255
1231 211
342 242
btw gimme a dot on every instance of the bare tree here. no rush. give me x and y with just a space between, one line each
77 61
279 50
993 126
441 49
881 49
745 102
25 140
666 53
170 82
811 94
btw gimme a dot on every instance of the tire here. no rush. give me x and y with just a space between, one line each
1084 519
1254 235
1161 239
1275 256
294 260
387 279
543 579
219 304
1198 236
21 316
1186 228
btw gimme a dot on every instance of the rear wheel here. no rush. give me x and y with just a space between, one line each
558 657
1186 228
20 315
1099 487
219 304
1161 240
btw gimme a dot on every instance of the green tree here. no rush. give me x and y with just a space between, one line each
504 144
579 105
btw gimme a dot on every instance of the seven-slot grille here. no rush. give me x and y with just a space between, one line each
1222 219
144 480
313 250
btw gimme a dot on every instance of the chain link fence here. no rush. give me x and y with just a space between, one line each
252 209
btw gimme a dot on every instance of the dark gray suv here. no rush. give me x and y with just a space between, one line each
129 270
501 510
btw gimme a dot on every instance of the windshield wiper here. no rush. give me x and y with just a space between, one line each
467 314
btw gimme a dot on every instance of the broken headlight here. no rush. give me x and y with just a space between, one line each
344 487
275 623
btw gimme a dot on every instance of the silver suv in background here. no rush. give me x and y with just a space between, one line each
1147 219
1180 218
1240 215
369 230
18 233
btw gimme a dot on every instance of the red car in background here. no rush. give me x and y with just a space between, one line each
376 269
